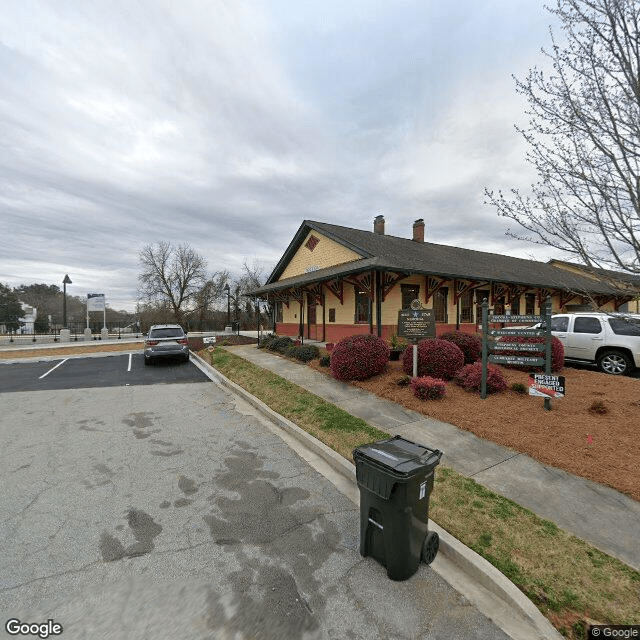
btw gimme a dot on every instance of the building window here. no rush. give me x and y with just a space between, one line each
363 307
332 315
440 304
466 307
529 304
278 311
515 306
311 243
410 292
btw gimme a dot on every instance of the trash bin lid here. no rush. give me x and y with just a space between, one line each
400 456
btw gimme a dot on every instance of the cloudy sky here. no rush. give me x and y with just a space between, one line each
225 123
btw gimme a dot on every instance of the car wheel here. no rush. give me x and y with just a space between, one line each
615 363
147 361
186 358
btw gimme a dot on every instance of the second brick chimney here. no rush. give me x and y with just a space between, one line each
418 230
378 225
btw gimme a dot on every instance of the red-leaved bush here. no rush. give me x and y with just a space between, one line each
359 357
469 343
557 352
470 378
436 358
427 388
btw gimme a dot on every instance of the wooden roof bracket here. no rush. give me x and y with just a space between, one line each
432 284
366 281
337 288
389 280
460 287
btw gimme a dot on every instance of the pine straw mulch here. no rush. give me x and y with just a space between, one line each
601 447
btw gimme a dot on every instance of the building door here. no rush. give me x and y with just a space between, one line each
312 327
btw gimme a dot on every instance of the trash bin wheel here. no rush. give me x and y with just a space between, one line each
430 547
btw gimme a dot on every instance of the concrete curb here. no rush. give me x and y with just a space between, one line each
467 561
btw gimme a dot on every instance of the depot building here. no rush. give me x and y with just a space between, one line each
334 281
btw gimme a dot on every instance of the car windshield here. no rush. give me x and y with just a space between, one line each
625 326
169 332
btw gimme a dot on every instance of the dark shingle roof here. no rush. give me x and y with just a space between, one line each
406 255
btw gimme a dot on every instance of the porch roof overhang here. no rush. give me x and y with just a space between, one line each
557 279
319 275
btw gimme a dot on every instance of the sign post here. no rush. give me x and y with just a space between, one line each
415 324
96 302
534 352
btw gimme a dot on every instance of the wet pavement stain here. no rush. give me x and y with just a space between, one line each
144 530
103 477
162 443
166 454
102 468
84 425
141 421
279 610
187 486
276 595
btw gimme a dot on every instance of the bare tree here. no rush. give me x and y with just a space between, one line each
583 138
173 275
252 277
210 293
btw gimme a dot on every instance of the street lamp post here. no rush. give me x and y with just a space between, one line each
65 282
228 290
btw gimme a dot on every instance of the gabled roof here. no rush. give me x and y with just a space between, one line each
392 253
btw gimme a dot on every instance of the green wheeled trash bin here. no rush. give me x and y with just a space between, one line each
395 478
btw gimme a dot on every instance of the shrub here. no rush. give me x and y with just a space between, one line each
281 344
598 408
436 358
470 378
359 357
290 351
519 388
403 381
557 352
325 361
427 388
470 344
307 352
266 341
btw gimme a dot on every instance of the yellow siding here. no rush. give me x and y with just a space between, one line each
326 253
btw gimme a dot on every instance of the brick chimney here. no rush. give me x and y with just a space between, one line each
418 230
378 225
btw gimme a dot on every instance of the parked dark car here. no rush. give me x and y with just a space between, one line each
166 341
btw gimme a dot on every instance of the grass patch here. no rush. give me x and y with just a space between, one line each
323 420
569 580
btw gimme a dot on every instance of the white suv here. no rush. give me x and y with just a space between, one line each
610 340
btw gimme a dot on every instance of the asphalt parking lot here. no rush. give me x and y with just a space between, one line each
148 502
82 372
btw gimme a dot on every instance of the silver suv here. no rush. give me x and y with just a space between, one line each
610 340
166 340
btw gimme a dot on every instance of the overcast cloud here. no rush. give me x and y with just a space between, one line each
225 123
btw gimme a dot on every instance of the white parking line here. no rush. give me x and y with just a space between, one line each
130 356
44 375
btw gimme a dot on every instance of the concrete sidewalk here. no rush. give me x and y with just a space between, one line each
605 518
